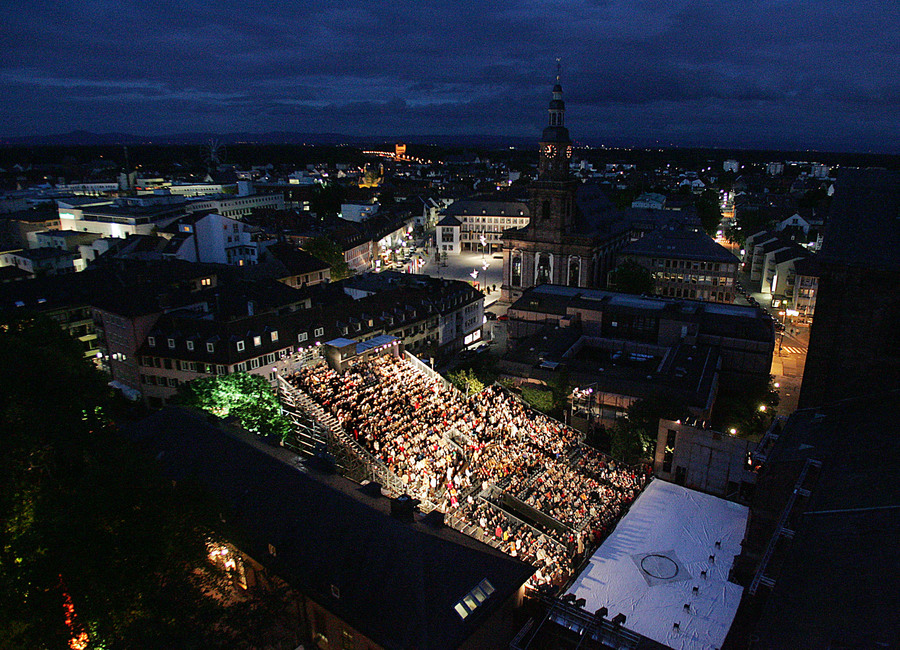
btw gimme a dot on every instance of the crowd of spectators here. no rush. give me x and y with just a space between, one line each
404 419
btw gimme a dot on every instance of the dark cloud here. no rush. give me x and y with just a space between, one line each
774 73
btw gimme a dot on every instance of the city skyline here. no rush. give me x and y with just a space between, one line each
772 75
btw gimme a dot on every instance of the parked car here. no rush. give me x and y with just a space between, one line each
490 315
503 317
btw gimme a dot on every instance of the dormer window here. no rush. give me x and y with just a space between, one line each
151 341
240 346
274 336
171 343
190 345
257 341
210 347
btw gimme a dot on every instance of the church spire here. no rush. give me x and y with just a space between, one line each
557 110
556 147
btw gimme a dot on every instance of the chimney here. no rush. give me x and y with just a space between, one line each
404 508
434 519
372 489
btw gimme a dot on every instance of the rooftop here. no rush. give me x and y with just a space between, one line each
397 582
487 208
672 540
838 583
863 228
682 244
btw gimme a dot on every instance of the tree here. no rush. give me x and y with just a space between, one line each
626 442
466 381
330 253
631 277
249 398
538 399
96 547
749 411
708 211
634 436
326 199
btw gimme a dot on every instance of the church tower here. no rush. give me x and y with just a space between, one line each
553 193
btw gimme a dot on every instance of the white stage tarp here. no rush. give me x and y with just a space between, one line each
672 541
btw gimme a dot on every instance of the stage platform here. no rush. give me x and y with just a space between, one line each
665 567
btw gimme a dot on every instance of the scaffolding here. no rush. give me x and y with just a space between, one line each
351 459
802 490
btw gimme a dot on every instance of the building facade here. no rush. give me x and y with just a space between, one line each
686 263
236 207
561 243
481 223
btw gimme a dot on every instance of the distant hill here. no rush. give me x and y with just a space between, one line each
88 138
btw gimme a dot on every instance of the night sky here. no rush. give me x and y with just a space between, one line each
791 74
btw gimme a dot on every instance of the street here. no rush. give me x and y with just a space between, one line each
789 356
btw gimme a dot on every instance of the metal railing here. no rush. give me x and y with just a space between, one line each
781 529
354 459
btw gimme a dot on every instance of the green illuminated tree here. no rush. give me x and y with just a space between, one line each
540 400
466 381
330 253
249 398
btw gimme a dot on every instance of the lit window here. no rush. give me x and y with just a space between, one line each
274 336
257 341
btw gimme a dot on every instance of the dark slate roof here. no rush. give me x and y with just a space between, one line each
12 274
395 582
46 212
715 319
792 252
838 583
449 220
651 219
680 244
489 208
295 260
396 300
45 253
863 224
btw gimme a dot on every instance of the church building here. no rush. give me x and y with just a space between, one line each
573 234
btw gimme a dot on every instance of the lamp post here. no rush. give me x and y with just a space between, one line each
781 338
